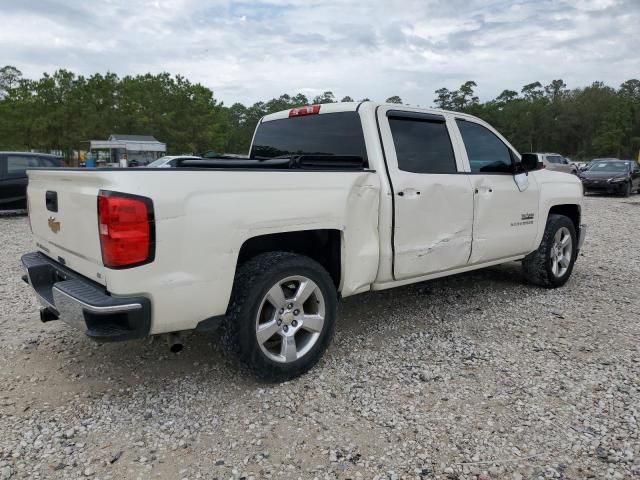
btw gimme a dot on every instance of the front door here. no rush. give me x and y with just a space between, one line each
505 216
433 200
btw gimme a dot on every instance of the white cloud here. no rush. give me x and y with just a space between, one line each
251 50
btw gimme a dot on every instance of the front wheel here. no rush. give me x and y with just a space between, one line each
552 263
281 316
626 190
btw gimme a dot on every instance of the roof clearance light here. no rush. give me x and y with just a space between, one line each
302 111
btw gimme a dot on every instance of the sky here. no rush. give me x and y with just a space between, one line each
247 51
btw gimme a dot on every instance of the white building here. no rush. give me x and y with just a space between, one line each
141 148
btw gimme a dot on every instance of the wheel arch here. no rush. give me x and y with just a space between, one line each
322 245
571 210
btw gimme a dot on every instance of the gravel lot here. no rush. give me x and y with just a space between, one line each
475 376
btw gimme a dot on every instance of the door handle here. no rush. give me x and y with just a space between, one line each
409 192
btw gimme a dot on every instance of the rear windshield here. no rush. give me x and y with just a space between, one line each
328 134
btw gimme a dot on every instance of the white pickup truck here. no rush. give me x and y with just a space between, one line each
334 200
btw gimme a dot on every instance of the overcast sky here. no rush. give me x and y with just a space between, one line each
254 50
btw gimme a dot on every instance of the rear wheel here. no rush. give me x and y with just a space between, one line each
281 316
552 263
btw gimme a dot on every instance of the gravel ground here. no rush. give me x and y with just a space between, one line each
474 376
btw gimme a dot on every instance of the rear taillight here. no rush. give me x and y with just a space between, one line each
127 229
301 111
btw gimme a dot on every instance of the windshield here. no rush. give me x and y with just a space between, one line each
329 134
159 162
619 167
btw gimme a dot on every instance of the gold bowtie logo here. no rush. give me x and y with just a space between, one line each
54 225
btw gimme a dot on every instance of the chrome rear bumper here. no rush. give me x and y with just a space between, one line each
84 304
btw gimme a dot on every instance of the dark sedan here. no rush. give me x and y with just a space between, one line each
611 176
13 176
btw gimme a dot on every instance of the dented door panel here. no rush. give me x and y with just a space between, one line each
433 230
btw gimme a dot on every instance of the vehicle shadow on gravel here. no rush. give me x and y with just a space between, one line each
101 367
464 290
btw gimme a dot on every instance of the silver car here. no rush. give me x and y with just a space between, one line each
555 161
170 161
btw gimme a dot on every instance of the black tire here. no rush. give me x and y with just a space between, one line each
537 265
252 282
626 191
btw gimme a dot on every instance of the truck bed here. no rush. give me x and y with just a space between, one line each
202 218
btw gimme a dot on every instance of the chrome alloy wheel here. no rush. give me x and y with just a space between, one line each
290 319
561 251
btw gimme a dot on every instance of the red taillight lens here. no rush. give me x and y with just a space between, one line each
126 228
301 111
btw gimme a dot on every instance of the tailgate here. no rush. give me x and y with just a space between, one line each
63 213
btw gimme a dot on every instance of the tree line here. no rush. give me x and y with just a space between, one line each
61 111
583 123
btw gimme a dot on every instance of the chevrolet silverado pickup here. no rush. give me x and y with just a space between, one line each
332 201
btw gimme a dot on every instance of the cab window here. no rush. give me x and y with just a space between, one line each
422 146
486 152
325 135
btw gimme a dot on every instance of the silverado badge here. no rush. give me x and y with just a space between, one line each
54 225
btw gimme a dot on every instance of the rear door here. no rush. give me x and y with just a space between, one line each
505 216
14 179
433 200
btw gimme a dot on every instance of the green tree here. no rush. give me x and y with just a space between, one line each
532 91
443 99
326 97
9 79
394 99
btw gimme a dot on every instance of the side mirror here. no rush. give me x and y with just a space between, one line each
529 161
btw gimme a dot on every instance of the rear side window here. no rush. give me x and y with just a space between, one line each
329 134
422 146
555 159
18 164
486 152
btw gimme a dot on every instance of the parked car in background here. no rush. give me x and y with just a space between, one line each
611 176
580 165
555 161
13 177
170 161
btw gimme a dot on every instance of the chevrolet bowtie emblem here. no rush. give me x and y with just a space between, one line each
54 225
